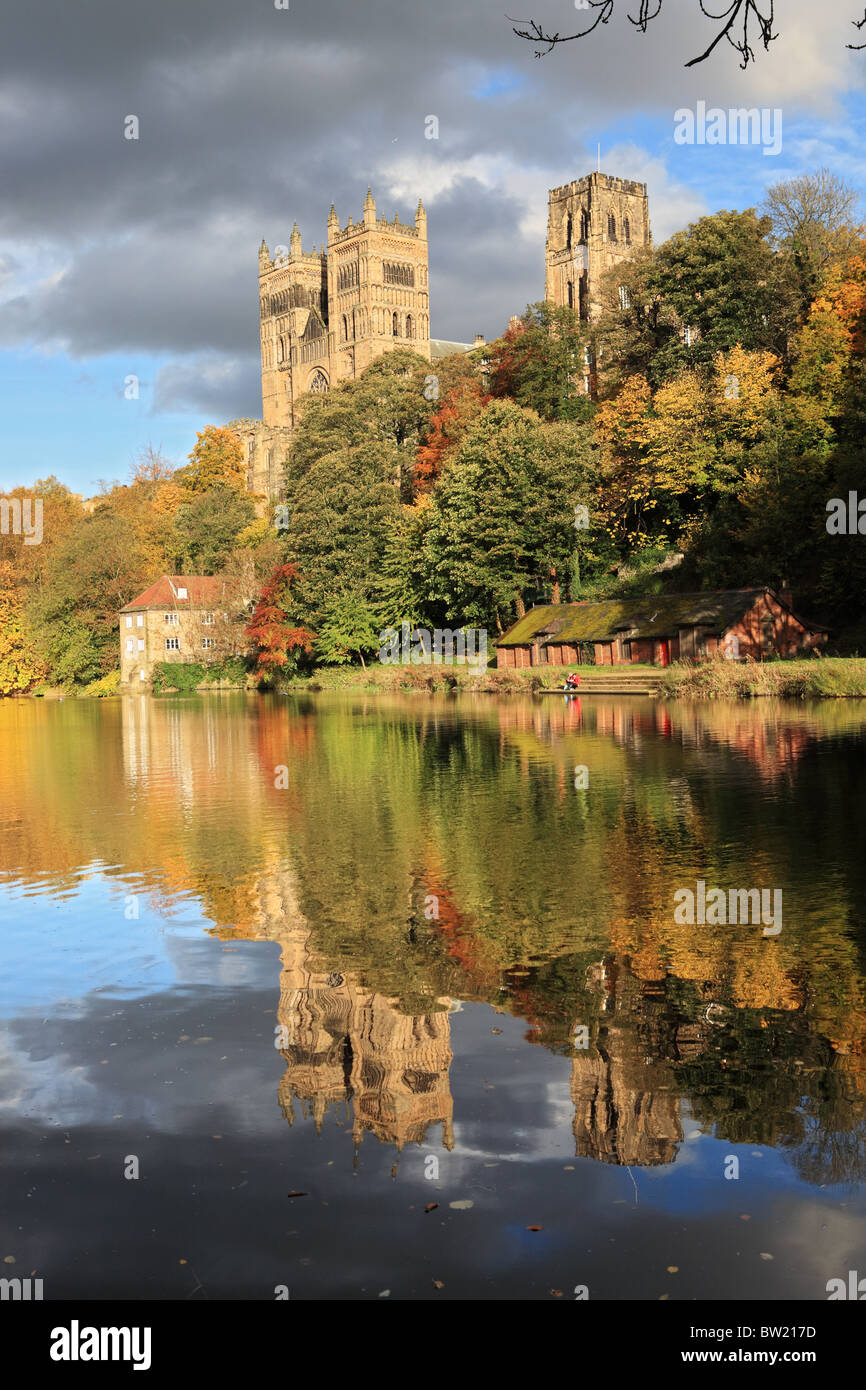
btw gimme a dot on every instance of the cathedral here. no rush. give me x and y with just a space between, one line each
326 314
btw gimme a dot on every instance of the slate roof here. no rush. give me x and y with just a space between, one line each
440 347
202 590
660 615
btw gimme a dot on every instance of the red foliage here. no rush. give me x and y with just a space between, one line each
445 432
268 629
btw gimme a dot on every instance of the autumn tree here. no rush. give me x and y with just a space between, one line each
216 460
277 640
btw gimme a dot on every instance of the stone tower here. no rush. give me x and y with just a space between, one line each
325 315
592 223
377 288
293 297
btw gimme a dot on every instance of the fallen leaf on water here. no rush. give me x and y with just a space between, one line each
765 1256
431 1206
496 1030
663 1297
8 1259
557 1293
744 1217
535 1228
464 1205
437 1284
297 1194
673 1269
386 1293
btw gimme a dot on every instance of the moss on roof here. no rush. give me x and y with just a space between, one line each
660 615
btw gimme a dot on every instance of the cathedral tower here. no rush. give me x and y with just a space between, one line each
592 224
325 315
377 288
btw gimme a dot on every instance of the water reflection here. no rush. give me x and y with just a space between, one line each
406 854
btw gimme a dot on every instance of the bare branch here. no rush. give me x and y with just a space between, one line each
858 24
739 18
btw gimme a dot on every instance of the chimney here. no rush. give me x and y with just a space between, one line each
479 340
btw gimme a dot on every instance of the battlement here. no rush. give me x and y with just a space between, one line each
382 225
610 183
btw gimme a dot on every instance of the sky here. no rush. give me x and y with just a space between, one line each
128 268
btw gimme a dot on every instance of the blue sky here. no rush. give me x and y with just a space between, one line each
121 258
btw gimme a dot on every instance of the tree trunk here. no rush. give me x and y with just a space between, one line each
363 663
520 606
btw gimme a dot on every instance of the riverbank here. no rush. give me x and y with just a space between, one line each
828 678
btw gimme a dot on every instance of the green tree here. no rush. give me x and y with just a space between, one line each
348 628
206 528
542 363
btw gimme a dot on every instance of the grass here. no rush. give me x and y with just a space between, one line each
825 678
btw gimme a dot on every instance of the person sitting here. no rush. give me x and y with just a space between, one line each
572 681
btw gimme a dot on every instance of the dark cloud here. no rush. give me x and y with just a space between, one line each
251 117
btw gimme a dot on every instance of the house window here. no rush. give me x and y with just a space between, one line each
139 622
129 622
624 298
172 619
142 675
141 644
129 644
172 644
568 231
626 651
181 593
207 619
611 227
207 643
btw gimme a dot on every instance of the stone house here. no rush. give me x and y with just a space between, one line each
736 623
180 618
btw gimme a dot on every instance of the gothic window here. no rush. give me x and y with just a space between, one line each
410 329
624 298
354 325
583 296
571 294
626 227
319 382
395 326
345 329
399 274
584 225
611 227
568 230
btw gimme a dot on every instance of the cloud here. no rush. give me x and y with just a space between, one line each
251 117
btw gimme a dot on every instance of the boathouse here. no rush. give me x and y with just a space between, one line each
736 623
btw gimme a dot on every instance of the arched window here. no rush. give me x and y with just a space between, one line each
571 294
611 227
568 230
319 382
410 327
626 229
354 325
395 325
345 329
584 225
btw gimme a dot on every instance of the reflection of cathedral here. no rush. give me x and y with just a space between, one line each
624 1096
347 1045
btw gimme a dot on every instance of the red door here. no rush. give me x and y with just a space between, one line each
664 653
